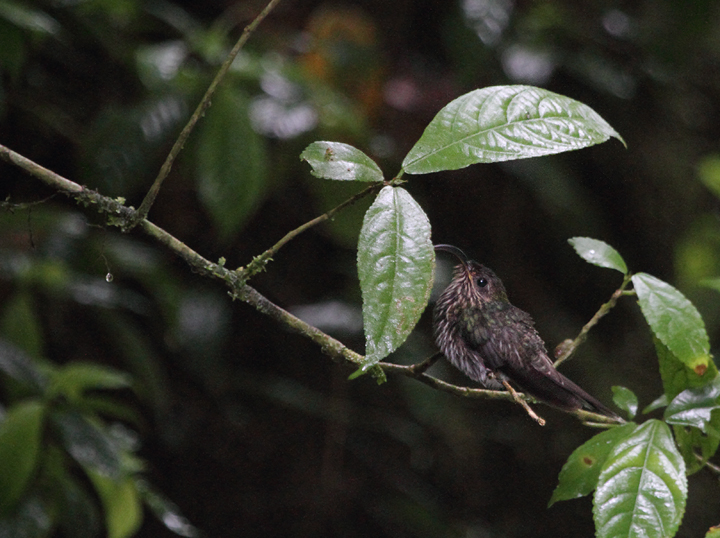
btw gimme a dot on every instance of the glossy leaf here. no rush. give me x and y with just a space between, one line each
676 378
231 162
580 473
76 377
18 365
713 532
335 160
166 511
694 407
657 403
121 504
502 123
395 266
642 488
674 320
88 444
598 253
626 400
20 444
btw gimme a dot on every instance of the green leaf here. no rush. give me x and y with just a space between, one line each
598 253
18 365
642 488
580 473
166 511
121 503
231 163
676 378
334 160
75 378
395 266
626 400
674 320
504 123
694 407
88 444
712 283
657 403
30 519
20 444
20 324
713 532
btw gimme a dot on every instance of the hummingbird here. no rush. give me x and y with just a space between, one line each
495 343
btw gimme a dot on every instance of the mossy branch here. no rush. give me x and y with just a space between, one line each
116 213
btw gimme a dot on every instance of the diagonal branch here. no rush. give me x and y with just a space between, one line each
149 199
116 213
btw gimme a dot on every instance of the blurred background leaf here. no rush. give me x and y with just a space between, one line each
244 425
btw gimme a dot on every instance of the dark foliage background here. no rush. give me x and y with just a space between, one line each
250 429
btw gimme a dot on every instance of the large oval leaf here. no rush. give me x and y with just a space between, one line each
580 473
503 123
231 162
335 160
642 488
20 443
674 320
396 262
598 253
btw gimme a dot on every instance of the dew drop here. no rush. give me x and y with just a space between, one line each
109 277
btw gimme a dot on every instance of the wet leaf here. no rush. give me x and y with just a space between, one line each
674 320
502 123
580 473
642 488
334 160
20 444
626 400
395 266
76 377
598 253
694 407
87 443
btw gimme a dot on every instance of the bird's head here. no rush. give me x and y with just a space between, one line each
473 281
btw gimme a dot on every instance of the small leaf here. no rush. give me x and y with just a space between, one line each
503 123
121 503
166 511
580 473
657 403
626 400
713 532
334 160
20 444
598 253
76 377
674 320
231 162
88 444
642 488
395 266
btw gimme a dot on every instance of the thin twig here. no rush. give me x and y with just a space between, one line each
259 262
523 403
149 199
116 212
423 366
569 347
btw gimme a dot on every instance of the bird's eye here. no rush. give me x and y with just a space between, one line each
482 282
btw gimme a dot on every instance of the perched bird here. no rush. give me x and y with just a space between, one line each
493 342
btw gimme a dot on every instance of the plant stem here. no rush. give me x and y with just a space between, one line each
569 349
259 262
205 102
116 213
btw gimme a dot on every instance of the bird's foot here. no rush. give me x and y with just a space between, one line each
526 406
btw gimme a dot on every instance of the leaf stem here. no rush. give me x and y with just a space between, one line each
205 102
259 262
568 347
